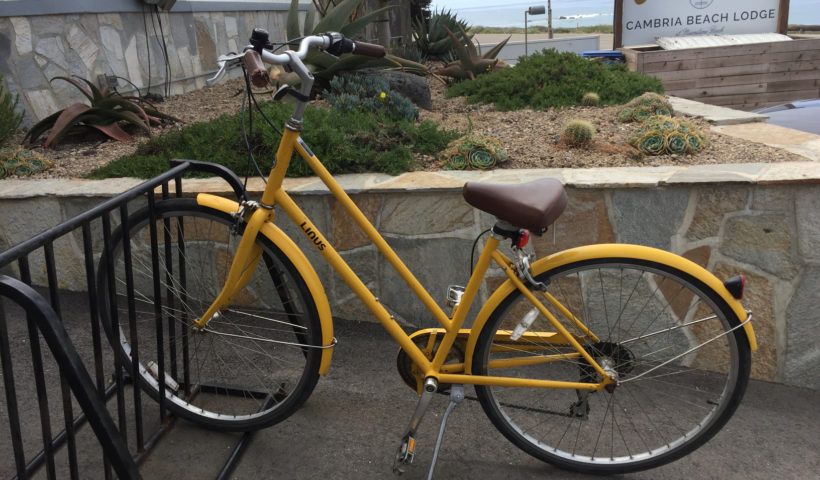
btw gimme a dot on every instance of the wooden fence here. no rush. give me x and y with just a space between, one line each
745 77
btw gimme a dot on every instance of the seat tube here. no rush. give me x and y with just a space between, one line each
470 294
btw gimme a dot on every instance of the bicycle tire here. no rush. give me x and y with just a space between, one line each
637 307
221 376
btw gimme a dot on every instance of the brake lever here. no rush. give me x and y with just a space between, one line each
225 62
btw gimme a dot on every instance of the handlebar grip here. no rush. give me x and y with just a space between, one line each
256 69
368 49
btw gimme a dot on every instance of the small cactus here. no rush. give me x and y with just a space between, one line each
21 162
591 99
577 133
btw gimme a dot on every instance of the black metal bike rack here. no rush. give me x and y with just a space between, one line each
26 316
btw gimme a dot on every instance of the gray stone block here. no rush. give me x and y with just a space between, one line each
30 75
766 241
436 263
807 203
430 213
48 24
773 199
345 304
802 349
5 54
648 217
182 30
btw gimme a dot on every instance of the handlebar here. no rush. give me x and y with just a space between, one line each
331 42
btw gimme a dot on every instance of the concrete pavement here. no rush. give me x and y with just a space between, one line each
351 425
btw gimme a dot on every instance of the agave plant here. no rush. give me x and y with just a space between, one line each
432 39
470 64
106 113
337 18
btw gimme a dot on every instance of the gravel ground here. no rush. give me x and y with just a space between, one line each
530 137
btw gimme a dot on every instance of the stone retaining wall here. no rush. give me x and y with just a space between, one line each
760 220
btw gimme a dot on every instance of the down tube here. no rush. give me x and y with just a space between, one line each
343 269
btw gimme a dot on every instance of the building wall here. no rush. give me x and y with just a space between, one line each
125 38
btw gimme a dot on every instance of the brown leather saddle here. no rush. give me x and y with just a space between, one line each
533 205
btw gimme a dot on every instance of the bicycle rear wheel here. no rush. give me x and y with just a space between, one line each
249 368
646 317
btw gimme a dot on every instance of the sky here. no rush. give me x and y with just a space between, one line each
498 13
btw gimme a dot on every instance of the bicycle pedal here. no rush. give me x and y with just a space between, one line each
405 454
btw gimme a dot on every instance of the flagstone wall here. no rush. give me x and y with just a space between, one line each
760 220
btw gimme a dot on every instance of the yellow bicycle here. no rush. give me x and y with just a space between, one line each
603 358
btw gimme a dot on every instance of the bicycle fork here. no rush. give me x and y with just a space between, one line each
244 261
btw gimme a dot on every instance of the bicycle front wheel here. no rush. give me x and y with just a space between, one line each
646 321
253 364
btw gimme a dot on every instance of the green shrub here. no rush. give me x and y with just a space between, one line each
577 133
661 134
21 162
471 152
357 93
641 108
550 79
590 99
346 142
9 119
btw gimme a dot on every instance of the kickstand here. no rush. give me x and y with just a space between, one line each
456 396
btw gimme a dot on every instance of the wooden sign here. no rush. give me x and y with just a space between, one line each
640 22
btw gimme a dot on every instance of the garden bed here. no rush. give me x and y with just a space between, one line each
530 137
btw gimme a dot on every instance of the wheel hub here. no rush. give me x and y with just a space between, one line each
616 360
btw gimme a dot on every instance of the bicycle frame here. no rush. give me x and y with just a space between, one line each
247 257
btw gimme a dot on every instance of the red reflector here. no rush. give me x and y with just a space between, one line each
523 238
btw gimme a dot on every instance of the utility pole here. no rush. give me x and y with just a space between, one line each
549 18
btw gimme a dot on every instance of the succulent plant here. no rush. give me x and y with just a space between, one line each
577 133
21 162
590 99
662 134
9 119
432 39
471 152
641 108
367 94
107 111
337 18
470 64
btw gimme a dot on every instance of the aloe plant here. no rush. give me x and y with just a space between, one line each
470 64
432 39
10 120
107 111
337 19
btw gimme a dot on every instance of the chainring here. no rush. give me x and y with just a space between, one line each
411 374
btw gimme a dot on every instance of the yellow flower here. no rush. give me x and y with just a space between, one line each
382 95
